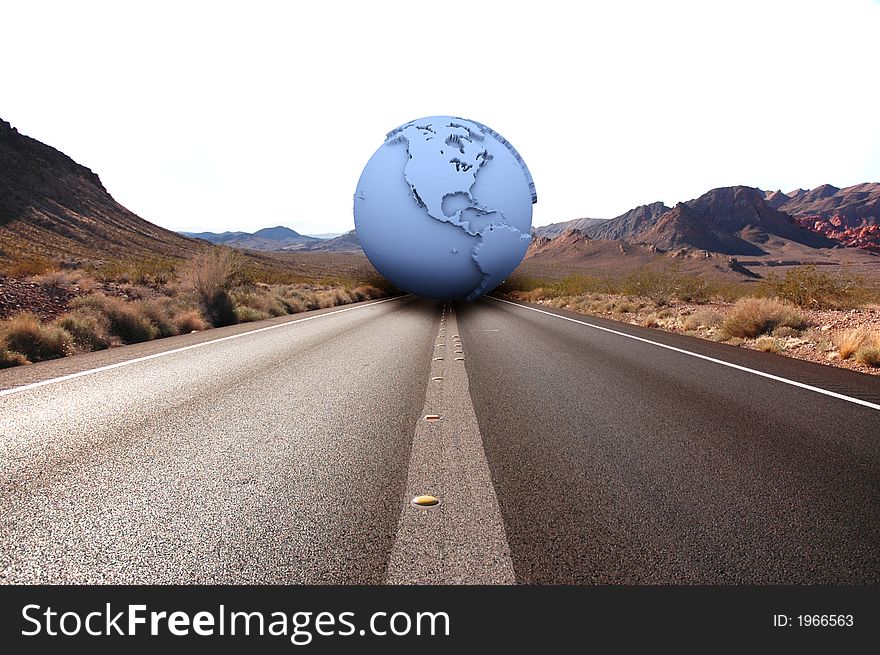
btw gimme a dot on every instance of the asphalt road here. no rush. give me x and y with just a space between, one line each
564 451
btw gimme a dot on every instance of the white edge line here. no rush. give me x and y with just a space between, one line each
129 362
794 383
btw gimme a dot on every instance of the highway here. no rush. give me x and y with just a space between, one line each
563 449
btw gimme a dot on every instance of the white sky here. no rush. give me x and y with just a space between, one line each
222 117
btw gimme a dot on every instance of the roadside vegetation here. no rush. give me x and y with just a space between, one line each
122 303
805 313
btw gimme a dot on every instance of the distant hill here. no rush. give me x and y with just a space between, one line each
726 231
630 223
850 215
53 207
347 242
555 229
735 220
619 227
776 199
730 220
856 205
325 235
271 239
574 251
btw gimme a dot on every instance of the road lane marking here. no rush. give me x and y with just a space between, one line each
769 376
461 539
137 360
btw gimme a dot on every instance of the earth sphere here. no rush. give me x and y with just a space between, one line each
443 209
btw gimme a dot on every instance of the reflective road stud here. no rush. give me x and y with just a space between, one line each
425 502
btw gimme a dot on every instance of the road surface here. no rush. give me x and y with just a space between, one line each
566 449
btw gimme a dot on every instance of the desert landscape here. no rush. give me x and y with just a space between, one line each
794 273
80 272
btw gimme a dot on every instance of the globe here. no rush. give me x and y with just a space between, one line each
443 209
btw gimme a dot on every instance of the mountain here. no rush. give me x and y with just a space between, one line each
855 205
216 237
850 215
731 232
347 242
776 199
325 235
53 207
630 223
729 220
269 238
574 252
555 229
739 219
622 227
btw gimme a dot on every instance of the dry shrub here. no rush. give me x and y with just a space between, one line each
160 312
127 320
783 332
247 314
702 318
90 331
25 334
8 359
263 299
806 286
751 317
325 299
211 275
66 279
189 320
869 355
293 305
650 321
768 345
848 343
31 267
137 291
368 292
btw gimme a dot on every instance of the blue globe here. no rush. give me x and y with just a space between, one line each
443 208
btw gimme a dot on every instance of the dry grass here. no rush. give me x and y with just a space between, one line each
65 279
161 313
702 318
367 292
90 331
869 355
29 267
849 342
768 345
211 275
8 359
806 286
660 286
752 317
26 335
127 320
261 299
247 314
190 320
784 332
211 291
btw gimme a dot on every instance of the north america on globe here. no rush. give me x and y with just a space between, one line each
443 209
